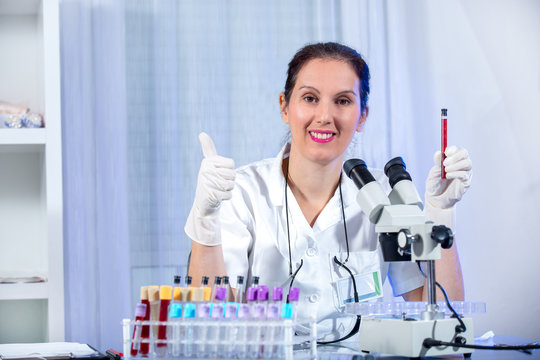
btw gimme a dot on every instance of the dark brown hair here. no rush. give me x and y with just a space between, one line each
328 50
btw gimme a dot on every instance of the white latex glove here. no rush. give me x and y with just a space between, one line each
214 184
442 194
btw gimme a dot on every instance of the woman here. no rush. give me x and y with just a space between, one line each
252 222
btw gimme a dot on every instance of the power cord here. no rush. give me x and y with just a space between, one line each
460 341
459 328
429 342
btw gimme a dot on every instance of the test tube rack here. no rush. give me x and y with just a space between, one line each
210 339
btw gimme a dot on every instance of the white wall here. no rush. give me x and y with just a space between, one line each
481 59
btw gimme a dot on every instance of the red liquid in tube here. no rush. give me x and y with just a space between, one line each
444 134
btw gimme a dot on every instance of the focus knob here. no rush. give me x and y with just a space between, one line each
443 235
404 239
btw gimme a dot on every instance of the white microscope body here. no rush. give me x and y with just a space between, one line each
404 235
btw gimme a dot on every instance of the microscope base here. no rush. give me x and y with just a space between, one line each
405 338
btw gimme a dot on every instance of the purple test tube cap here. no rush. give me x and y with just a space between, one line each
221 294
277 294
294 294
262 293
251 294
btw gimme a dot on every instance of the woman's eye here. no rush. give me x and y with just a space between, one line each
343 101
310 99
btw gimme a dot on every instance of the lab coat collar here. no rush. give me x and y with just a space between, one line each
277 182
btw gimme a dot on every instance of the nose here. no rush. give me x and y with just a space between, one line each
324 113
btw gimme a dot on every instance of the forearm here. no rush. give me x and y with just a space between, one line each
206 261
448 274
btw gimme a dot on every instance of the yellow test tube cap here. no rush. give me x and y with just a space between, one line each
176 293
165 292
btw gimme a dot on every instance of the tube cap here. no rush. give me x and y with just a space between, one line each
144 292
177 279
251 294
165 292
262 293
221 294
189 310
140 310
294 294
277 294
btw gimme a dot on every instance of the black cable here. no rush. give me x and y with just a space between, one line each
288 233
429 342
461 327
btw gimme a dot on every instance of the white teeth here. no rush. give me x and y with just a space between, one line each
321 136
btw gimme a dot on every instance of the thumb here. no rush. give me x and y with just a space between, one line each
207 145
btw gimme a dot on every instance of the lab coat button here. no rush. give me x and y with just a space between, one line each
311 252
314 298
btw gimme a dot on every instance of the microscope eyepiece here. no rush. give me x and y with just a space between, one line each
357 170
396 171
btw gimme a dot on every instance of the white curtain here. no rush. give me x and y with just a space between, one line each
141 79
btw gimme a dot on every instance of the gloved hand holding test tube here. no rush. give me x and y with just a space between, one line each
448 179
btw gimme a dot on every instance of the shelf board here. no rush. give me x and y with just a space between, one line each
24 291
22 140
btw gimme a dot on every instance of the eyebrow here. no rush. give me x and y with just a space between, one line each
318 92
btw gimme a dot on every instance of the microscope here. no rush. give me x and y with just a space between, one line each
405 235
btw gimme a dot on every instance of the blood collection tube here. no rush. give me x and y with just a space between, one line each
207 290
444 134
165 295
145 331
239 294
226 285
176 288
185 292
217 283
140 314
153 297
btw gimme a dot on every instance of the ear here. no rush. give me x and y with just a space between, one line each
284 109
363 119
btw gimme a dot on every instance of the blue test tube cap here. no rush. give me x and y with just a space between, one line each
175 310
189 310
286 311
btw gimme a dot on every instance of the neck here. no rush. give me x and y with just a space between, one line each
312 184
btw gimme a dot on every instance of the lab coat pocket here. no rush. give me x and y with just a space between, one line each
366 269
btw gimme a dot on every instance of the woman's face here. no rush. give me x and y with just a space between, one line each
324 110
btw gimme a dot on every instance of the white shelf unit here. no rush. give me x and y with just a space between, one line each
31 239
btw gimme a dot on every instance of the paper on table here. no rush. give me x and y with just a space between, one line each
14 351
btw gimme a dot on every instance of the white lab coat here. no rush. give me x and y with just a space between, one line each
254 236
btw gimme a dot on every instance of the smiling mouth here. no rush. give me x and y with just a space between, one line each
322 136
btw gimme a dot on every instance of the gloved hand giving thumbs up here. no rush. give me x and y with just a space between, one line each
214 184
